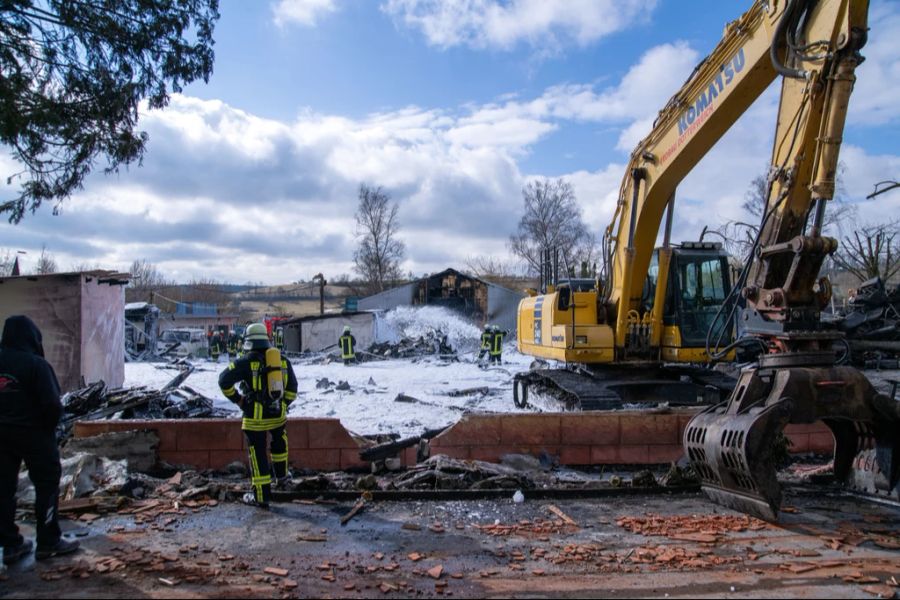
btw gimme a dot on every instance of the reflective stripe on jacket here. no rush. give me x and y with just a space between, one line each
347 342
260 412
497 343
486 339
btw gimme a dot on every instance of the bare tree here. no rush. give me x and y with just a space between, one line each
872 251
490 267
81 267
377 259
738 235
552 219
46 264
7 258
145 276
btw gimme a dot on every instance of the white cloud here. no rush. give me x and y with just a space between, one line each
228 194
503 24
876 95
302 12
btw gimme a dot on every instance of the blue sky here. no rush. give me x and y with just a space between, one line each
451 106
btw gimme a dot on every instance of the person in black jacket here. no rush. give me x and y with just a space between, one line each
244 382
29 413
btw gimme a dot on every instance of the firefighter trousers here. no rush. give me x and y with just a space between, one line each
38 449
261 470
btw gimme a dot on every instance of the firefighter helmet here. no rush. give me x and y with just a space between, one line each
256 337
346 329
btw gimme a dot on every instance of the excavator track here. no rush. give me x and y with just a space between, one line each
617 388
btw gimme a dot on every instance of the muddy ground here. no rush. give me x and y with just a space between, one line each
646 546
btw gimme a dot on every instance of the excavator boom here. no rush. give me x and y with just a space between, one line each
815 47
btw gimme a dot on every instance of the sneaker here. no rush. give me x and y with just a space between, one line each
250 500
13 553
60 548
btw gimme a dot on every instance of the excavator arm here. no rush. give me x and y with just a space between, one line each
721 88
814 46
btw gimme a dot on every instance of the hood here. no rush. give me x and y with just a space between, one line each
20 333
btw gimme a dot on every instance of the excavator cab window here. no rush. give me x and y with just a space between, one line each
698 285
563 295
649 292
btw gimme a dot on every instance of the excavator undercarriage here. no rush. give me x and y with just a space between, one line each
617 387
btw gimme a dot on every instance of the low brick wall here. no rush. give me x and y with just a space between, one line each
591 438
319 444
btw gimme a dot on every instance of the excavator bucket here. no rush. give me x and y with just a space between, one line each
733 447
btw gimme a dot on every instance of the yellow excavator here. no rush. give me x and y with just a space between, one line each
643 312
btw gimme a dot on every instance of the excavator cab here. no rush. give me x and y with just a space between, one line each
699 280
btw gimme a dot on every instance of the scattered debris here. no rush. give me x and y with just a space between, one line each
360 504
137 448
391 448
704 529
871 325
172 401
559 513
443 472
433 342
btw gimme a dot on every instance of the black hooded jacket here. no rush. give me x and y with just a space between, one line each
29 390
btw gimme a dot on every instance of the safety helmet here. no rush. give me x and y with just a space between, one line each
495 328
346 329
256 337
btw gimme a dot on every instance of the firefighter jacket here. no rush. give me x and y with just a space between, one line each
486 339
348 346
497 342
29 390
261 413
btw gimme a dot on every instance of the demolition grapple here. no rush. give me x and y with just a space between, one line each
733 446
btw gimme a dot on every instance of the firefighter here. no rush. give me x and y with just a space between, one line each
348 346
29 413
215 347
497 344
234 344
252 383
486 338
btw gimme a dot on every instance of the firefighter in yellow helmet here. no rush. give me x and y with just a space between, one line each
263 384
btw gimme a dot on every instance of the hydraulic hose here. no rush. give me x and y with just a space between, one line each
788 22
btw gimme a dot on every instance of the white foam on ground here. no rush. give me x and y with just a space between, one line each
367 408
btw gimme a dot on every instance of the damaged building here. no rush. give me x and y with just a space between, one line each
321 332
82 319
479 301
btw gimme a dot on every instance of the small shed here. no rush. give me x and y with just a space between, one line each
320 332
81 317
480 301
